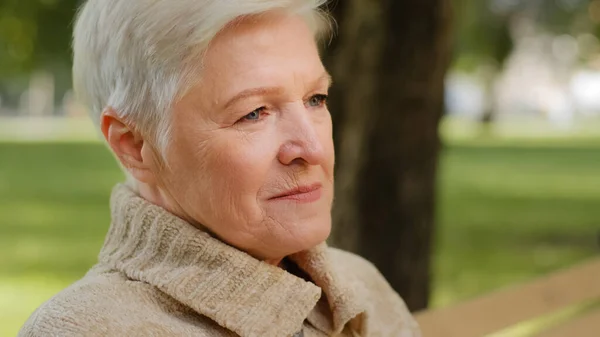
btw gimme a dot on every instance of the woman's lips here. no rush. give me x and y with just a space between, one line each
301 194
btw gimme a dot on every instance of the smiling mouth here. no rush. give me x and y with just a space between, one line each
301 194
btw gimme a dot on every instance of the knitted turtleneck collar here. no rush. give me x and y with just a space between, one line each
237 291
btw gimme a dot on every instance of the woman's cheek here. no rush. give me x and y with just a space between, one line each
243 165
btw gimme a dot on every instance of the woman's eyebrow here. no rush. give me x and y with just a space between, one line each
264 91
326 77
261 91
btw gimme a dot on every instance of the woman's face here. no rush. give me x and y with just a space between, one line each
252 155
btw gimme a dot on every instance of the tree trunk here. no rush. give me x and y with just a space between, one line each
388 66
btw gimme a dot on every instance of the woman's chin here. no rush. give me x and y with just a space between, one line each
312 234
300 237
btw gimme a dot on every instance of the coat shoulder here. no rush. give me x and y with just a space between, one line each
386 309
360 269
109 304
359 266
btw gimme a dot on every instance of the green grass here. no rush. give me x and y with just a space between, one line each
53 216
507 212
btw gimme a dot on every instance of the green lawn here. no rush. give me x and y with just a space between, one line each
507 212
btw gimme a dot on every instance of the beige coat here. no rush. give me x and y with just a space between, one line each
159 276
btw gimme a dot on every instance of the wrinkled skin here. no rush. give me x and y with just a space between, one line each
231 156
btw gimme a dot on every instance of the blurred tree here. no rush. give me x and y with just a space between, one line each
482 33
484 39
389 64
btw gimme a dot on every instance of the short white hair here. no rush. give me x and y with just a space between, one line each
139 56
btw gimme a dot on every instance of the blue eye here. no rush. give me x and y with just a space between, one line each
254 115
317 101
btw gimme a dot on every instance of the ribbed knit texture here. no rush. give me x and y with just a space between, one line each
157 275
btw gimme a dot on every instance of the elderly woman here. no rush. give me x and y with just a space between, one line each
216 109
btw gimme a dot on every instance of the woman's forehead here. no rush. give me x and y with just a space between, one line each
271 53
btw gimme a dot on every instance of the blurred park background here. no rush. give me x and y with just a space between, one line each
515 173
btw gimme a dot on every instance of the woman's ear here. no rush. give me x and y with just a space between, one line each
127 144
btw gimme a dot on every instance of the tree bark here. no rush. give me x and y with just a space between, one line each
388 65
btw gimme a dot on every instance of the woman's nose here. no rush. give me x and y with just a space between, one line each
302 140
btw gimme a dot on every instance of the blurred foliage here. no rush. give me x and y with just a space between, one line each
37 33
483 27
34 34
481 34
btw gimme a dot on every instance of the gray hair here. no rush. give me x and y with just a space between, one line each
140 56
